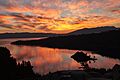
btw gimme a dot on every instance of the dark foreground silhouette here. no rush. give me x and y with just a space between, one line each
105 43
11 70
26 35
82 57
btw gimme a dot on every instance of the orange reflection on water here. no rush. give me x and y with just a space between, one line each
47 60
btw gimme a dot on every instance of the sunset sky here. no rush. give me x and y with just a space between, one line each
57 16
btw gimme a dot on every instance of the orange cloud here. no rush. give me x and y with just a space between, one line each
57 16
116 11
62 25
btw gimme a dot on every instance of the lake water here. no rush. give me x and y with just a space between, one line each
47 60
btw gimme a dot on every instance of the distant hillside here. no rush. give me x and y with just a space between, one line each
27 35
107 43
37 35
93 30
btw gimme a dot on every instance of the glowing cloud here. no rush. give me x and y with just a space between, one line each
57 16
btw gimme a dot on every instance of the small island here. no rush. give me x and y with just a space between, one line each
11 70
82 57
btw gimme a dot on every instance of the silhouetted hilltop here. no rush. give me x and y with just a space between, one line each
93 30
38 35
106 43
27 35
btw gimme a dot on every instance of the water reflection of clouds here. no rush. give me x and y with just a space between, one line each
47 60
104 62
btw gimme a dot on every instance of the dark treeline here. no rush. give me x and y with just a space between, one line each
105 43
11 70
27 35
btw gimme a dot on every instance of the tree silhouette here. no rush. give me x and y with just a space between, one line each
10 70
7 64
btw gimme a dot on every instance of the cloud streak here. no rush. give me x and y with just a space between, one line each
58 16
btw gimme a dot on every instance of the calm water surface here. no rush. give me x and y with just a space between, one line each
47 60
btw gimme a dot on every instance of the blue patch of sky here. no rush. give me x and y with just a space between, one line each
65 13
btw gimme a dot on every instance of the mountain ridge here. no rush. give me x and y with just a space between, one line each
93 30
27 35
105 43
77 32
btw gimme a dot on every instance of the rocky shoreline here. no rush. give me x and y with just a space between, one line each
91 74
